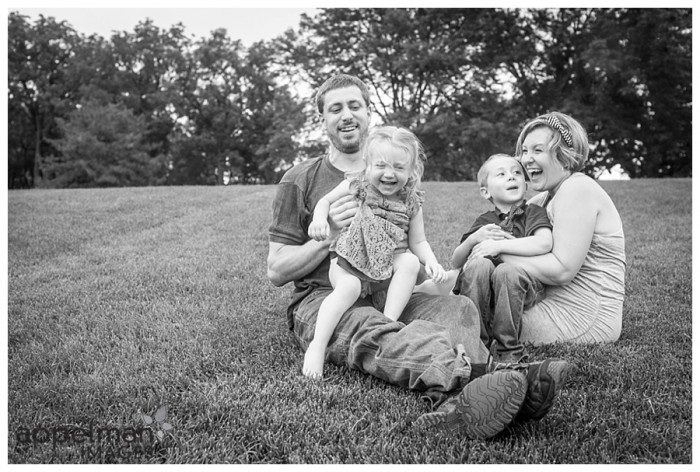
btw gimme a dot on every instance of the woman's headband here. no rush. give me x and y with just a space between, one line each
554 122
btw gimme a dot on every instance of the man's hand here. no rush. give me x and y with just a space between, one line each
341 213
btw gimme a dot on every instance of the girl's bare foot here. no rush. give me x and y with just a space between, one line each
313 361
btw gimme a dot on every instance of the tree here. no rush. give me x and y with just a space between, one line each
624 73
241 120
39 70
147 64
429 73
277 119
211 89
102 145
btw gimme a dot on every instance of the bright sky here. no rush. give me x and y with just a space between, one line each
247 24
249 20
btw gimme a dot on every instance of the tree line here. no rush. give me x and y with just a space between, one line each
156 107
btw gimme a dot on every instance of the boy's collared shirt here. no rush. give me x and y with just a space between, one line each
522 221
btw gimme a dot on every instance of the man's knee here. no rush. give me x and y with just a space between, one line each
460 307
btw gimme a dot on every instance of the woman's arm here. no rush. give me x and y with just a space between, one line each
487 232
575 212
540 242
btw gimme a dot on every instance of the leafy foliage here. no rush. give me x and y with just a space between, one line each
102 146
464 80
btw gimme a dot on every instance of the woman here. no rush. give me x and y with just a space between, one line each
585 271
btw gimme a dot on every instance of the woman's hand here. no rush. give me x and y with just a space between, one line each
491 232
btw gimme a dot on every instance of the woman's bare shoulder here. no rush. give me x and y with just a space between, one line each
579 185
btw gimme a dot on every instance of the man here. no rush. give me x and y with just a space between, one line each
435 346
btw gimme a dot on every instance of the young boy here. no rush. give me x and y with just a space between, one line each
502 291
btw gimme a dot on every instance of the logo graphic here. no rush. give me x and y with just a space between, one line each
158 422
102 443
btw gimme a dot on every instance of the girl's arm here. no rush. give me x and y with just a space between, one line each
319 228
289 262
420 247
575 211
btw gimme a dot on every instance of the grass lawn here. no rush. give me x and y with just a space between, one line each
142 329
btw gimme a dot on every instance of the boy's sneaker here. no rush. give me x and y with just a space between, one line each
544 381
483 408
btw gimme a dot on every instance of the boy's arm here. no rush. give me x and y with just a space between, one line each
461 252
539 243
486 232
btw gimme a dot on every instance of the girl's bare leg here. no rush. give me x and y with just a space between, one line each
346 290
406 267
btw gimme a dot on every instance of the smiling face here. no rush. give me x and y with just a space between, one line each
545 171
346 117
388 168
505 182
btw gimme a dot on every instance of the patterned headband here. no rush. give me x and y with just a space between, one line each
554 122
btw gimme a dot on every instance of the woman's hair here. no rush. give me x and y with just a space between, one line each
401 139
338 82
569 139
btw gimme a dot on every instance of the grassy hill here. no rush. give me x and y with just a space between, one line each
142 329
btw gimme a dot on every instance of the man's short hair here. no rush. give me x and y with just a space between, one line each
337 82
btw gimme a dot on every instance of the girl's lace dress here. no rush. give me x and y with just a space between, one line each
379 229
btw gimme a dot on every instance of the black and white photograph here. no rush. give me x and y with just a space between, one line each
408 233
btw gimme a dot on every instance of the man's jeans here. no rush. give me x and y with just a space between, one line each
501 293
429 349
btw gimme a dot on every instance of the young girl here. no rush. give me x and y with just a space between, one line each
375 247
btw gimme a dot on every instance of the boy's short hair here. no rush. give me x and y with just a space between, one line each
337 82
483 174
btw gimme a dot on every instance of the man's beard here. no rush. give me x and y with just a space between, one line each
347 147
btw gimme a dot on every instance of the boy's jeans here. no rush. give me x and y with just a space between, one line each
430 348
501 293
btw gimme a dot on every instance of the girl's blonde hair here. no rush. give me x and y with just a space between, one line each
569 139
398 138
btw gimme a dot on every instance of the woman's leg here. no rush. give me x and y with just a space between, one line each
346 290
406 266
